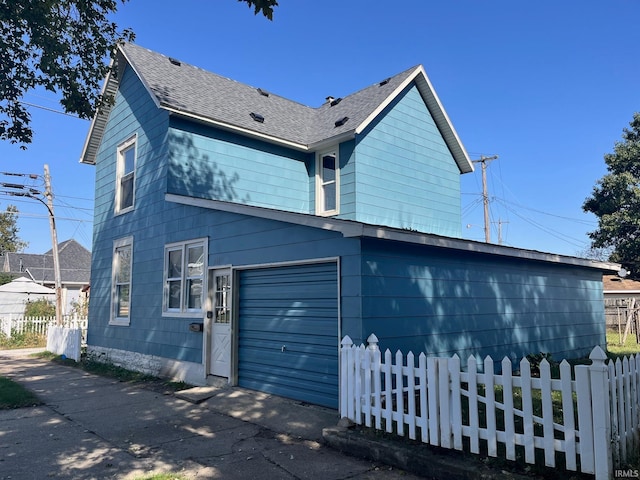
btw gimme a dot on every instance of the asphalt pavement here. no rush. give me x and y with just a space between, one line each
93 427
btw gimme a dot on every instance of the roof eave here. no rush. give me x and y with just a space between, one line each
437 112
332 141
350 228
110 87
99 122
236 129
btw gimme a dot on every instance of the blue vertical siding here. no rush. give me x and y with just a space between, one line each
405 175
444 302
219 165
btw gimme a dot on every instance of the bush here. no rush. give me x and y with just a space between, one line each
25 339
40 308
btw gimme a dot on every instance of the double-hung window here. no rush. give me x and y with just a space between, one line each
121 281
125 175
327 183
184 269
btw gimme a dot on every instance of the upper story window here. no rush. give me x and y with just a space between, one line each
125 175
184 268
121 281
328 183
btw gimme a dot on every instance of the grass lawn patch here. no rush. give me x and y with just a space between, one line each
617 349
13 395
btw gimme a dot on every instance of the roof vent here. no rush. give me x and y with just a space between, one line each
174 61
335 102
257 117
262 92
385 81
342 121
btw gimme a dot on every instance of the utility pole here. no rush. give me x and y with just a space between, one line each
485 195
22 190
500 223
54 240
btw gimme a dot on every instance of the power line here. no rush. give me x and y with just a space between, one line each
49 109
553 233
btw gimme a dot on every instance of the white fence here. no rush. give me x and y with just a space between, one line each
590 415
65 341
12 324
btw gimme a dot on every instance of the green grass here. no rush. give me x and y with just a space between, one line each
13 395
616 349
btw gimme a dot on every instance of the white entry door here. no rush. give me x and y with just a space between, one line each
220 355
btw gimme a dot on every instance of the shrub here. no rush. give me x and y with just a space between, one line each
39 308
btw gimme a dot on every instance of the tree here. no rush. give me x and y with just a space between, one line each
615 200
264 6
62 46
9 240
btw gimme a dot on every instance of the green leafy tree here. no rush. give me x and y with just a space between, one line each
62 46
39 308
264 6
615 200
9 240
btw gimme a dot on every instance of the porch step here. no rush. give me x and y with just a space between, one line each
200 394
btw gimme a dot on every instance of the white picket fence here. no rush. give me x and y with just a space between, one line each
13 324
591 415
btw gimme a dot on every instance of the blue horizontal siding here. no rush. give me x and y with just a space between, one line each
212 164
405 176
444 302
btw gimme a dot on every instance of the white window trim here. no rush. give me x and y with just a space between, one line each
182 312
319 184
120 173
113 318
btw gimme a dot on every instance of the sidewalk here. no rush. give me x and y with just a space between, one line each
92 427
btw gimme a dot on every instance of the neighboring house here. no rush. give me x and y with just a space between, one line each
15 295
241 235
621 301
75 271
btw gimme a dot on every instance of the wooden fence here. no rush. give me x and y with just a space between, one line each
590 414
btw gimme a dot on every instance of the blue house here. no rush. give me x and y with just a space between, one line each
239 234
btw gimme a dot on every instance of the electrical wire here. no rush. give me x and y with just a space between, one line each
49 109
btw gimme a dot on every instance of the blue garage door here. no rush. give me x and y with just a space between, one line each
288 332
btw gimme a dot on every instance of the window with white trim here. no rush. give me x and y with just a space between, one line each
184 269
328 183
125 175
121 281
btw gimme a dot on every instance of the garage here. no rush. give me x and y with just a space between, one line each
288 331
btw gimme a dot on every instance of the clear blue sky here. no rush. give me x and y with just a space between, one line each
548 86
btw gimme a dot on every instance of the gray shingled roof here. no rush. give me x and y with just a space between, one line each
190 91
75 264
